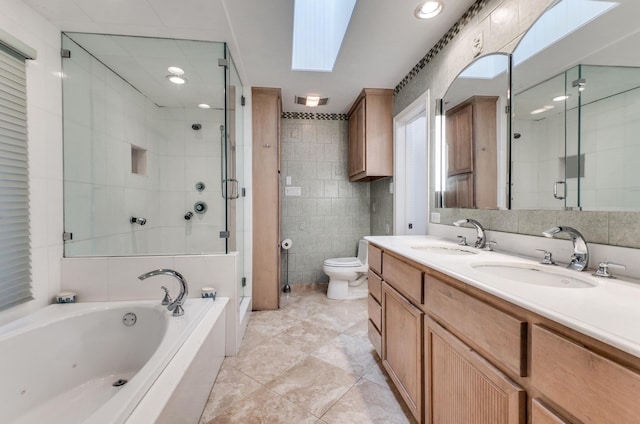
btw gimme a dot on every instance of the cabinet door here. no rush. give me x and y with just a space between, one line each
402 347
266 115
460 191
462 387
540 414
460 139
357 138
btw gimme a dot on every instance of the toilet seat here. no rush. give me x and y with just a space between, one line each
343 262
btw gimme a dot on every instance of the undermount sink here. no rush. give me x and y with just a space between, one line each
445 250
541 275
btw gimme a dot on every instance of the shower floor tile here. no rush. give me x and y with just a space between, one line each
308 362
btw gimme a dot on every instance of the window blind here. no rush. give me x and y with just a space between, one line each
15 254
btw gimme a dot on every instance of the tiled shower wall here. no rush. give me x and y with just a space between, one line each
332 214
105 118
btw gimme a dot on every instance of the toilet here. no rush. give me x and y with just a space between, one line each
348 276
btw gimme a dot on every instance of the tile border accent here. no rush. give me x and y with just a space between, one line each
316 116
446 38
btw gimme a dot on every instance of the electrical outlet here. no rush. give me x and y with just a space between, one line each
435 217
387 228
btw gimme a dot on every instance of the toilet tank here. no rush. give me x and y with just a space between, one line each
363 251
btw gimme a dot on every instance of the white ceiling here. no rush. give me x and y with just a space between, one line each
383 42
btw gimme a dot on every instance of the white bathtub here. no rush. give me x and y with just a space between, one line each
58 364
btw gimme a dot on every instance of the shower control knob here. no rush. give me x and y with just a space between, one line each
188 216
200 186
200 207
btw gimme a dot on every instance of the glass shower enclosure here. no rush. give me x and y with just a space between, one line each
153 143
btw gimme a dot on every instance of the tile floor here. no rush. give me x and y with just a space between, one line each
308 362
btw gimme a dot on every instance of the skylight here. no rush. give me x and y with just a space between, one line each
558 22
319 27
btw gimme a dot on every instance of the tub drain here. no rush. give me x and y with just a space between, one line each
129 319
120 382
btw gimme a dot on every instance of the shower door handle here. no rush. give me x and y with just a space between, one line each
234 189
555 190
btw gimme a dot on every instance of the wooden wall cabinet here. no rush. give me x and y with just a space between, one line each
266 115
472 168
371 135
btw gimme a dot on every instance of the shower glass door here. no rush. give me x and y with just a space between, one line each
148 133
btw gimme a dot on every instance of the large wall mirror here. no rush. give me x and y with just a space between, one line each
576 109
471 154
570 142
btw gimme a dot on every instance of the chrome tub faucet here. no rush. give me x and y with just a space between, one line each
580 256
174 306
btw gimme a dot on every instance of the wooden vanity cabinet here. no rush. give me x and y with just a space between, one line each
402 347
463 387
371 135
458 354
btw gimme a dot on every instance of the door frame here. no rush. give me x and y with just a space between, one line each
400 121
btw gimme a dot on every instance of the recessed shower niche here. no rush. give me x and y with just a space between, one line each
131 147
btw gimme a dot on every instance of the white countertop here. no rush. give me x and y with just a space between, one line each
609 311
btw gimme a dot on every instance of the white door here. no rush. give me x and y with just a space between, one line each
410 176
416 175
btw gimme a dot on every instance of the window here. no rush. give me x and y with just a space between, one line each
15 255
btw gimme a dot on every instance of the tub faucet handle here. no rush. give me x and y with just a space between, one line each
167 298
462 240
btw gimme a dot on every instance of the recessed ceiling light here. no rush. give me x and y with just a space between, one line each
175 70
542 109
561 98
312 101
428 9
204 106
176 79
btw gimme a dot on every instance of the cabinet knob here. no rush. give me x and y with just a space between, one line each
266 145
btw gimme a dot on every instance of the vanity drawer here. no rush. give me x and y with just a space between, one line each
591 387
375 312
375 338
375 286
404 278
374 256
501 336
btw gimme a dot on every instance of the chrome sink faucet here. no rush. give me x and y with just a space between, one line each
580 257
174 306
481 240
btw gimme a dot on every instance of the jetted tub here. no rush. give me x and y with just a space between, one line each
111 362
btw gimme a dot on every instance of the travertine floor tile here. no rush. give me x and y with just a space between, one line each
359 330
349 353
305 336
329 383
365 403
231 385
264 407
267 360
310 353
